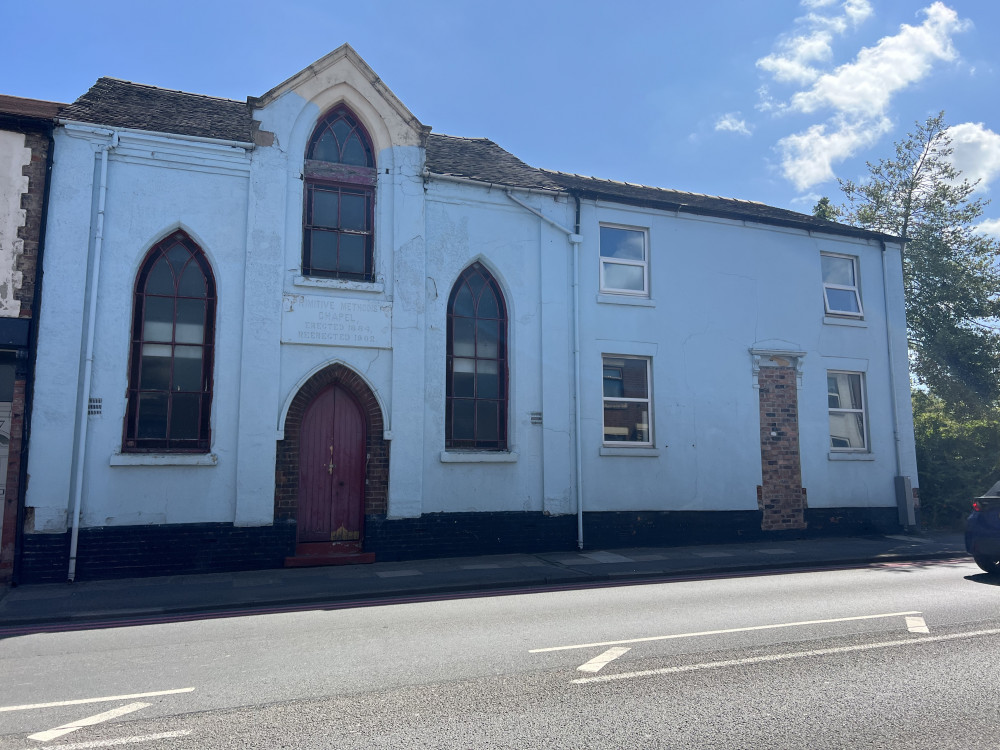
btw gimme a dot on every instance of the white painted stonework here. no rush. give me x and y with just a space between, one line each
717 289
13 184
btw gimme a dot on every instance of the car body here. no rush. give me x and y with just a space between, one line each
982 530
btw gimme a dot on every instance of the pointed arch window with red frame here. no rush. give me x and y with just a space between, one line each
172 347
476 389
338 237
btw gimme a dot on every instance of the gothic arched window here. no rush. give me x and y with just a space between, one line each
170 365
476 390
338 236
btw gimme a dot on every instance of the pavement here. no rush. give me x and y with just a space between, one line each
79 604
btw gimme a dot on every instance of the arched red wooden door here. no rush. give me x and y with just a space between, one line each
332 469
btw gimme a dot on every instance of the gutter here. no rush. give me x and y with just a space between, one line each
76 125
88 365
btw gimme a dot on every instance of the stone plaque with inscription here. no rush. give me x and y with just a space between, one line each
336 321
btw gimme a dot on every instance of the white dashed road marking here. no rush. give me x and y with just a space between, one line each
916 625
105 699
595 664
720 632
116 742
782 657
114 713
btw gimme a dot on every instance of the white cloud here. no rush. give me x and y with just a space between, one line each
796 58
976 153
807 158
857 94
865 86
732 122
990 227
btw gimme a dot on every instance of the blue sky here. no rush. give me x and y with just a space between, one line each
763 101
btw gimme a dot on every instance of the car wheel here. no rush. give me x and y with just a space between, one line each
988 564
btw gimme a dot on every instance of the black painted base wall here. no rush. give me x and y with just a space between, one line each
133 551
127 551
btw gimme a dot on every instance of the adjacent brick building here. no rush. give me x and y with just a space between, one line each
25 161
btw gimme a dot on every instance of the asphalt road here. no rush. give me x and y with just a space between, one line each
903 656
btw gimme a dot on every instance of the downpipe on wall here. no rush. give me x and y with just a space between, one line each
88 362
575 238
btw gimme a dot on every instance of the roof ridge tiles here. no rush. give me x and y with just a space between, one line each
172 91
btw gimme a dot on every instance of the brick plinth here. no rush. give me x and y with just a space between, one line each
781 496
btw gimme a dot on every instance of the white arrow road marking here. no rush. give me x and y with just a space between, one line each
720 632
916 625
595 664
116 742
782 657
114 713
105 699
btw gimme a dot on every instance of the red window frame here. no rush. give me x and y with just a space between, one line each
476 279
340 173
141 431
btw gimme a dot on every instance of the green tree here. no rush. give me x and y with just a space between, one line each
825 210
950 271
959 459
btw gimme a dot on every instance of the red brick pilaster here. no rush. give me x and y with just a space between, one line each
781 496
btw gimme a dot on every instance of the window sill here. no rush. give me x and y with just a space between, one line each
834 320
478 457
615 450
848 456
164 459
625 299
372 287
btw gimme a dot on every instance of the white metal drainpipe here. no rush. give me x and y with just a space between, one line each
88 363
575 238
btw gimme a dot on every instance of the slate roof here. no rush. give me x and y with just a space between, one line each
34 108
123 104
115 103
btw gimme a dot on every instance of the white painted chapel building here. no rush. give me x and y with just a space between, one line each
305 329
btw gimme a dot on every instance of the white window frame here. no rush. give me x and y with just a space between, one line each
863 411
648 400
644 263
855 288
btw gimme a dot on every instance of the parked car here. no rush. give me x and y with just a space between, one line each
982 530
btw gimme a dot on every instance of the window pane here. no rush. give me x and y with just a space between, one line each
354 152
464 304
487 424
487 379
323 250
184 416
190 321
488 307
158 322
626 422
462 420
838 271
464 378
187 368
463 337
847 387
613 382
352 212
152 415
486 341
341 129
324 208
160 279
155 367
326 149
623 243
192 282
842 300
475 282
178 256
634 379
847 430
618 276
352 253
832 392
